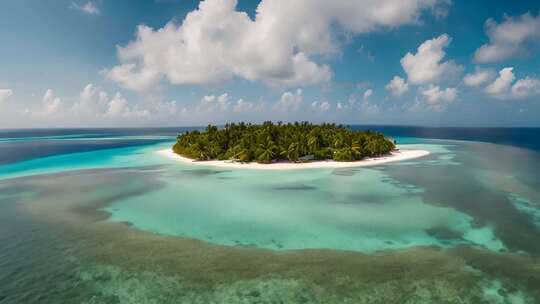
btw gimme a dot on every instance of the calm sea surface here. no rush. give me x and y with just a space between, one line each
98 216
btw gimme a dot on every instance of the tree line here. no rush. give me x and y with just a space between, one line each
270 142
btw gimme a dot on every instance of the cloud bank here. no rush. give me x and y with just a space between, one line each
281 47
504 87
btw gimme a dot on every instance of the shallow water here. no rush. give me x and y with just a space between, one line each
127 225
356 209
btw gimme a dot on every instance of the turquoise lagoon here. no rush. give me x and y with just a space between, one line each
463 196
348 209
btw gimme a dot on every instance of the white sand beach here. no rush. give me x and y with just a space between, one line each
395 156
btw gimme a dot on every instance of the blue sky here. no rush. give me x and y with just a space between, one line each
173 63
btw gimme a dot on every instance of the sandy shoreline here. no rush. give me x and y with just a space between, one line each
395 156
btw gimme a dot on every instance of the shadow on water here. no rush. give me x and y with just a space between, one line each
196 173
294 187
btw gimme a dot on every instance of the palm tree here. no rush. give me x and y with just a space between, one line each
313 143
213 149
338 142
291 152
241 153
266 152
356 150
199 152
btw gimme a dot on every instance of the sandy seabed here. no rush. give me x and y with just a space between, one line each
393 157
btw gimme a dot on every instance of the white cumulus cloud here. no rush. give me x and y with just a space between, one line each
526 87
322 106
426 66
290 101
397 86
436 98
478 78
216 43
51 103
434 94
501 85
93 102
510 38
504 87
211 103
118 106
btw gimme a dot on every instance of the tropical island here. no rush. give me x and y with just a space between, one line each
293 142
286 146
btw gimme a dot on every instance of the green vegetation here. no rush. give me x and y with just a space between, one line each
273 142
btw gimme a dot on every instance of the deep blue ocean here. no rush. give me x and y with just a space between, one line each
520 137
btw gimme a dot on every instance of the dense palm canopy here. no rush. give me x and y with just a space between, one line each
270 142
